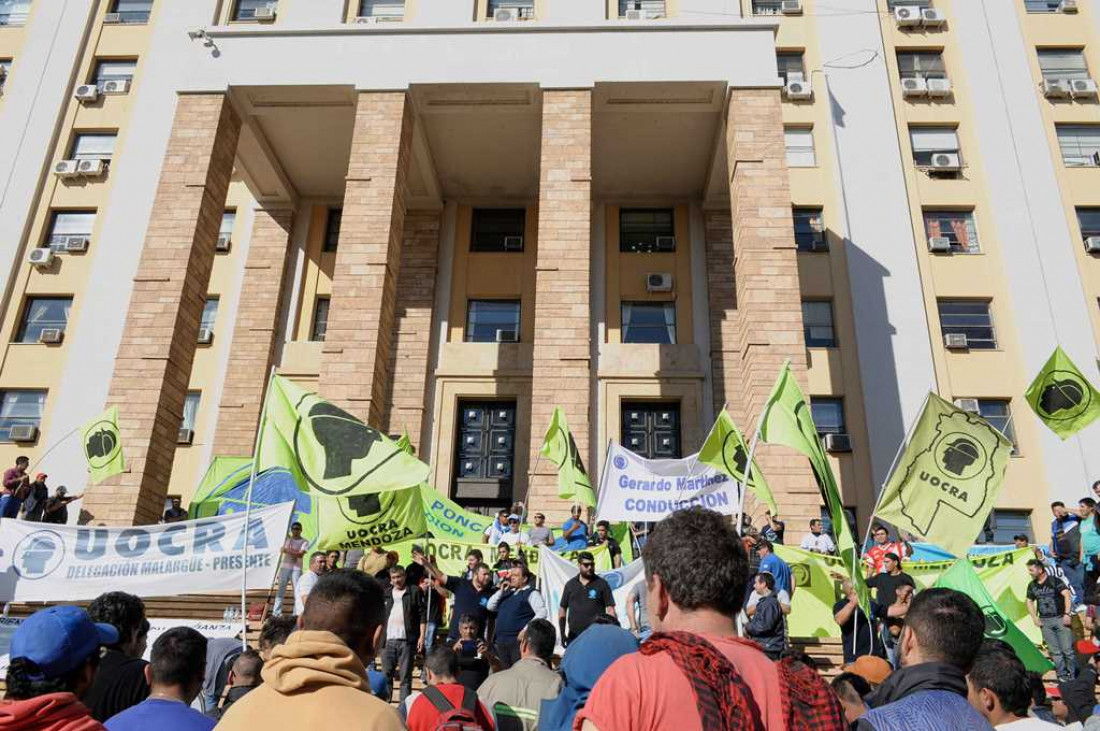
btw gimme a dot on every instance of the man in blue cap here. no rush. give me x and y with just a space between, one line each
54 657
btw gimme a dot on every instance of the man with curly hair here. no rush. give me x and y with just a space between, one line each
121 681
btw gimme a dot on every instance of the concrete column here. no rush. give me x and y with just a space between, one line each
254 336
356 358
154 358
560 374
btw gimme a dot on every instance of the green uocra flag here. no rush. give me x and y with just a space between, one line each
559 448
961 577
1062 397
725 450
369 520
405 444
948 479
103 446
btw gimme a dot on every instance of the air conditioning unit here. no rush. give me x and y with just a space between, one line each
507 336
661 282
636 15
66 169
798 89
41 257
92 168
1082 88
513 243
791 7
185 436
939 87
25 433
115 86
87 92
955 341
1068 6
907 16
367 20
914 87
506 15
838 443
222 244
76 243
939 244
265 13
932 18
1092 245
949 161
1055 88
967 404
665 243
51 335
206 335
112 18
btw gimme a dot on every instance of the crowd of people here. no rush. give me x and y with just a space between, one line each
22 497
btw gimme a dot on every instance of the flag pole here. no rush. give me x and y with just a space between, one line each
248 509
54 446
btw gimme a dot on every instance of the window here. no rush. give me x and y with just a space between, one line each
132 11
645 230
956 226
14 12
651 430
649 322
5 69
41 313
485 452
809 229
919 3
827 521
320 320
68 224
332 230
246 9
498 229
1042 6
1080 144
1062 63
971 318
190 410
92 146
931 141
1089 221
817 324
800 147
20 408
116 70
1002 525
790 63
998 412
209 314
492 321
921 65
652 8
389 9
525 9
229 220
828 415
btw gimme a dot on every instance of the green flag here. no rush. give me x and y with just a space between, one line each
787 420
328 450
961 577
725 450
1062 398
103 446
405 444
368 520
560 448
947 481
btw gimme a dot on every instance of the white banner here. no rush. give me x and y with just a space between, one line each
641 490
49 563
555 571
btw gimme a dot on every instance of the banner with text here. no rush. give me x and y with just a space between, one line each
372 520
649 490
450 556
41 562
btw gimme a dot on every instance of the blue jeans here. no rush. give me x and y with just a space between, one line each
1075 575
286 574
1059 641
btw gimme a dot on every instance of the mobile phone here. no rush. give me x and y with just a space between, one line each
469 648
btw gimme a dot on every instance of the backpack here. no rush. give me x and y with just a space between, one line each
451 718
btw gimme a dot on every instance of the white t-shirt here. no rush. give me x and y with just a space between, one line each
302 590
494 531
515 539
295 544
782 595
395 624
820 543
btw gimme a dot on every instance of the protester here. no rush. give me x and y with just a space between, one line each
35 504
403 630
175 513
318 678
433 598
817 541
175 674
1079 694
636 614
470 597
515 604
1040 702
999 689
851 689
504 562
875 556
1049 603
1090 548
1059 711
859 635
308 581
57 507
574 532
16 487
290 569
383 574
766 627
694 673
541 534
372 561
514 536
874 670
496 529
583 598
244 677
121 681
514 695
936 649
444 698
221 652
777 567
475 658
274 633
332 560
602 537
585 662
773 528
1021 541
753 599
473 558
1065 547
54 655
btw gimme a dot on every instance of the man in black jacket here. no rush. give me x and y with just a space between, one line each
767 628
403 629
121 681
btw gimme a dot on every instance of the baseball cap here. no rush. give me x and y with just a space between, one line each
1087 647
40 476
873 669
513 517
59 639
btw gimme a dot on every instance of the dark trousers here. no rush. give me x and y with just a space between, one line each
507 652
398 655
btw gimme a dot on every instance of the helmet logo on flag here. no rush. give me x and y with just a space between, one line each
734 455
959 456
343 461
102 445
1062 396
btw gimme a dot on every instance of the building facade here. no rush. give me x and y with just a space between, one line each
451 216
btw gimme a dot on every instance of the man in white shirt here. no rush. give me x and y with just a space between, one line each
306 583
514 536
497 529
403 630
999 689
290 568
817 541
